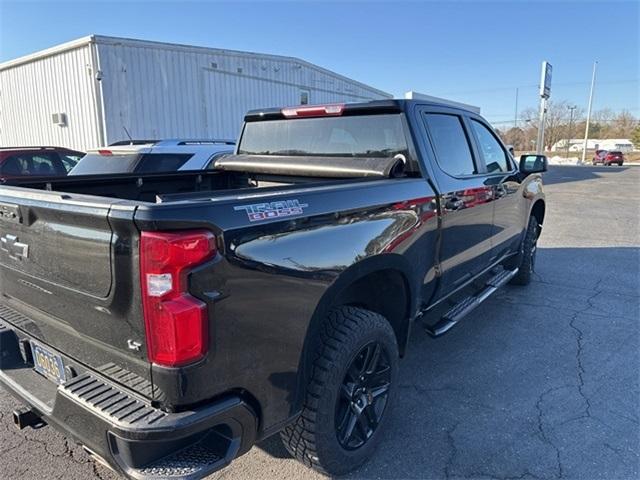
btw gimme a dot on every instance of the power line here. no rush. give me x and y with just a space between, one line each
510 115
561 84
579 120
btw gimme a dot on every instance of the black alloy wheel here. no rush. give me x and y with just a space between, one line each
350 392
363 396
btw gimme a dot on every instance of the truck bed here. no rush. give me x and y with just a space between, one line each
156 188
231 173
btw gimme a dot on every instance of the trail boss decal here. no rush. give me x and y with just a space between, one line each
265 211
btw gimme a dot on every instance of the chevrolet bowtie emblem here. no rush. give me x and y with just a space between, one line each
15 249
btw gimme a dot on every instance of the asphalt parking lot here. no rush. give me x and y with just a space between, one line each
539 382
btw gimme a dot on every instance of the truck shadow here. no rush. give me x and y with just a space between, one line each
523 386
274 447
570 173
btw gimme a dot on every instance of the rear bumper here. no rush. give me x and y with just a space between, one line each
123 430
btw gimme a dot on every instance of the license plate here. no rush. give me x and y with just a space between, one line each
47 363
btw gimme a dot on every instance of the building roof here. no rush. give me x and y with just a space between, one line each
102 39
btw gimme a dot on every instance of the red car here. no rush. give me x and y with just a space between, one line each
608 157
37 161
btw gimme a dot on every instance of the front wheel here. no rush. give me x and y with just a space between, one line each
349 392
529 250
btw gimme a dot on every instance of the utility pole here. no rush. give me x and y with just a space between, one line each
515 117
586 129
570 129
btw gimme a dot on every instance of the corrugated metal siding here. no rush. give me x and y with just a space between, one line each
165 91
30 93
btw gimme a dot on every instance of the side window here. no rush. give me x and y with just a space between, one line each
304 97
451 144
161 162
494 156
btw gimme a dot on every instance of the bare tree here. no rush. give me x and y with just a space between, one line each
605 123
605 115
635 137
516 137
623 125
556 126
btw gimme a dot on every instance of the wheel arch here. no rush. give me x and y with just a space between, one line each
538 210
375 284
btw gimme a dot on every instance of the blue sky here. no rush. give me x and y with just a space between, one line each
475 52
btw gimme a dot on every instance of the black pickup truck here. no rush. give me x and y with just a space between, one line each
168 322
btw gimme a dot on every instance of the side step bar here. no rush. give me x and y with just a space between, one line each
467 305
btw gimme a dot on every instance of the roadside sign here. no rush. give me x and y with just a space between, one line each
545 80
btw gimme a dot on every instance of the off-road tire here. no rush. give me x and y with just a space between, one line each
529 248
313 438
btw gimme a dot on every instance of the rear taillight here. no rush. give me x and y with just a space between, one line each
176 323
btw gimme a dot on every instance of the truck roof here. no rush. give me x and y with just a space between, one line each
375 106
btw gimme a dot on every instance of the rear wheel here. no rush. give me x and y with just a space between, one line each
529 250
349 393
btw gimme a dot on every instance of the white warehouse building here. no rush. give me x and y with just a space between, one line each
92 91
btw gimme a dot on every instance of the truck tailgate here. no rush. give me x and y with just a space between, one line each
59 258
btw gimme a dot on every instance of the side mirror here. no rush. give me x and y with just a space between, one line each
533 164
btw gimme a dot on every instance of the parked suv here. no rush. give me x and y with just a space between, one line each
153 156
614 156
608 157
37 161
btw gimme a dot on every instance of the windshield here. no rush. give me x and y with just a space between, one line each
377 136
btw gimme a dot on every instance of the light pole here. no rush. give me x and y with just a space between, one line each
542 115
586 129
571 108
545 93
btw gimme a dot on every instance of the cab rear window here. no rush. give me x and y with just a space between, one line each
365 136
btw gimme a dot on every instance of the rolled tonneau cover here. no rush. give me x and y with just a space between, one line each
330 167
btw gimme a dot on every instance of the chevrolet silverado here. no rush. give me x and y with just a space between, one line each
168 322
